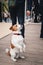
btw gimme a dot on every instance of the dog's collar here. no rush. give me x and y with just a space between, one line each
16 34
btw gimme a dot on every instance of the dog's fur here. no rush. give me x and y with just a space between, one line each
17 46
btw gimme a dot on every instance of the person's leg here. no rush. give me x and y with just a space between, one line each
21 17
41 34
13 14
0 12
5 19
35 20
36 10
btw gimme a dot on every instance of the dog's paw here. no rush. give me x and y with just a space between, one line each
22 57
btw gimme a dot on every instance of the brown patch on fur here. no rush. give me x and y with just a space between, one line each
10 28
12 46
13 28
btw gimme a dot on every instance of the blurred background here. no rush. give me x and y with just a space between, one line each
34 17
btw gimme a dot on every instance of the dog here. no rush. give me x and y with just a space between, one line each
17 46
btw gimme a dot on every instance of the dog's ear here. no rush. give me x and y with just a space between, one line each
11 28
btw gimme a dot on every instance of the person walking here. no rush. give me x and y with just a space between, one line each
5 10
41 11
36 10
17 9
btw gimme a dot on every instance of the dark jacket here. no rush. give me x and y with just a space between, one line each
14 2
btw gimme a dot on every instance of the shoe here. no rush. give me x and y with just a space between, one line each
35 21
41 37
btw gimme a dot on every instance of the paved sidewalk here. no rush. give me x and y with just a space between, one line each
34 47
4 29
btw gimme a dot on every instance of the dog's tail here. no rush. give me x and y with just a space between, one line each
8 52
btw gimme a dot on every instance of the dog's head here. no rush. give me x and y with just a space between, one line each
16 28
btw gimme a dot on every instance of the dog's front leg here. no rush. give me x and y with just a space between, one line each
24 46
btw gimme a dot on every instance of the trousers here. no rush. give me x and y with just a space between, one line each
18 11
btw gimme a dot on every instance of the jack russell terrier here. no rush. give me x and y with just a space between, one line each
17 46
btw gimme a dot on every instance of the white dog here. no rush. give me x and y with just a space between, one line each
17 46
